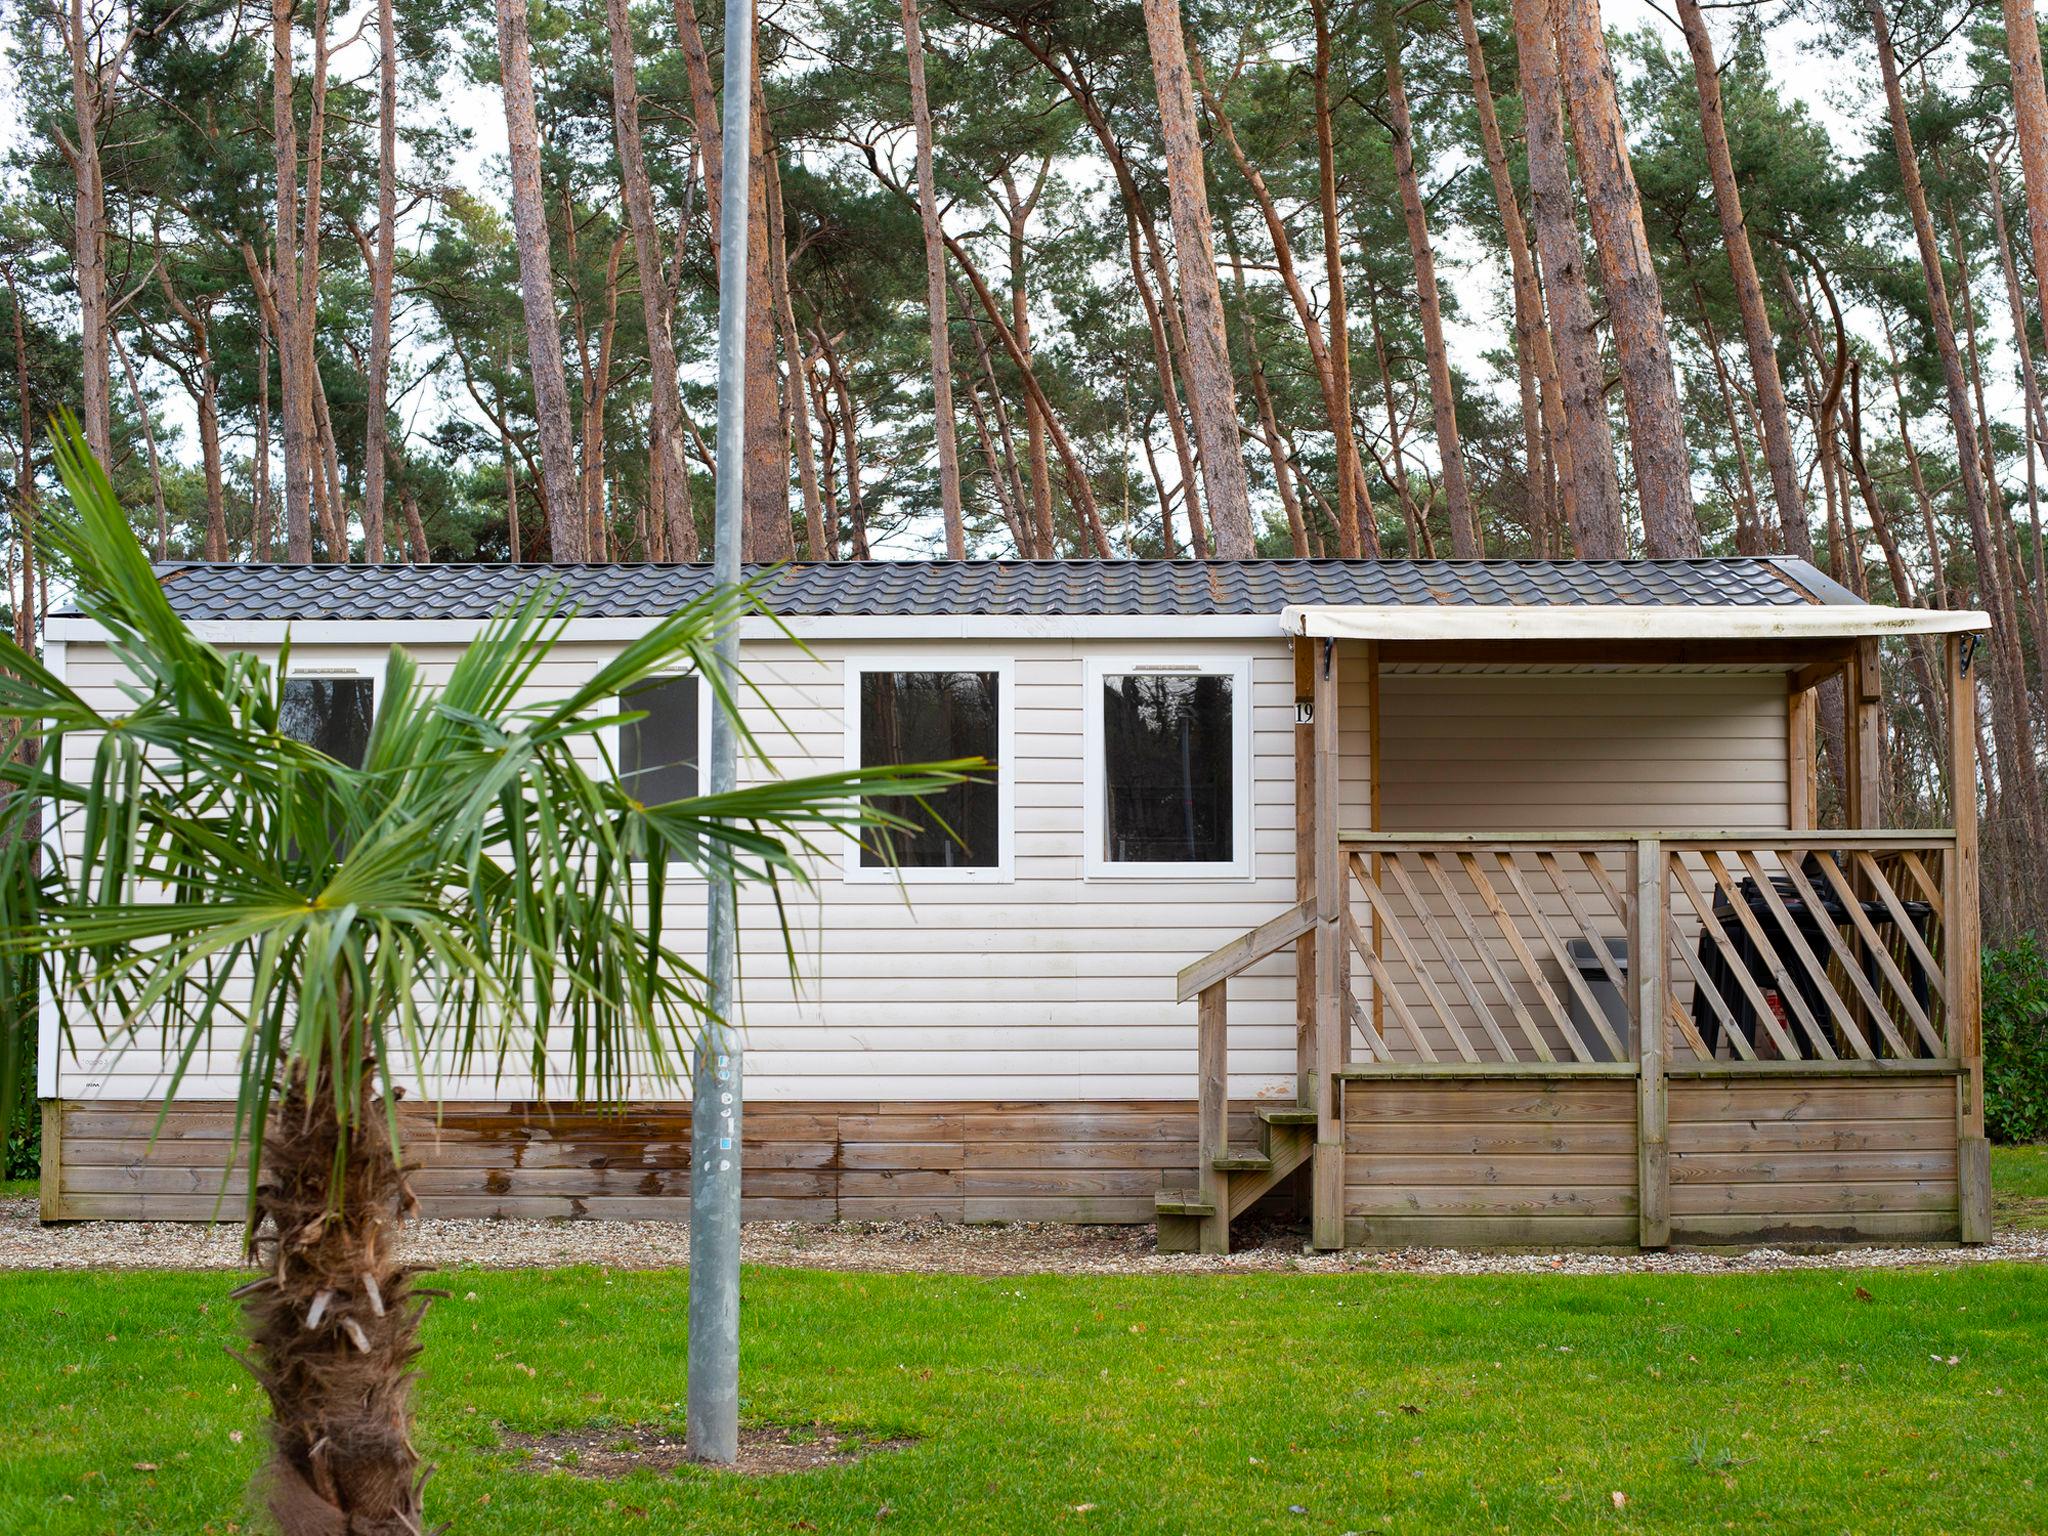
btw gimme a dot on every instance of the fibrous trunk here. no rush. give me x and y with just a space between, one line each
334 1320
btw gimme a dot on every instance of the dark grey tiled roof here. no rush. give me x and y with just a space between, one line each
1130 588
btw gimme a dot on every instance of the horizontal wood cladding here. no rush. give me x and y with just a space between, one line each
954 1161
1550 1160
1490 1162
1812 1159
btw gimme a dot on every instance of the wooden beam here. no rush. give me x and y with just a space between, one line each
1802 766
1961 945
1327 1174
1212 1137
1304 867
1653 1098
1864 721
51 1188
1790 653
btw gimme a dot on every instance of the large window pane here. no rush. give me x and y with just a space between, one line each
331 714
658 754
927 717
1168 761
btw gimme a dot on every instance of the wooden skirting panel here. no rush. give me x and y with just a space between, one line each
1490 1161
1036 1161
1812 1159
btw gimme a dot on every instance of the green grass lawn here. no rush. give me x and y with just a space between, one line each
19 1189
2019 1185
1199 1403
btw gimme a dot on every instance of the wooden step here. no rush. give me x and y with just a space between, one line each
1242 1162
1182 1202
1290 1115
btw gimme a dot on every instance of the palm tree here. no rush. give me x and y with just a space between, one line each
478 888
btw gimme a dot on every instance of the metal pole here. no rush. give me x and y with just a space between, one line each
713 1400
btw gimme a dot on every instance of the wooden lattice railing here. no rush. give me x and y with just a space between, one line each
1553 948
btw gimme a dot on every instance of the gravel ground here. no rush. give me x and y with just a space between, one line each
929 1247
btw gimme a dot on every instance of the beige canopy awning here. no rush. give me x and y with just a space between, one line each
1626 621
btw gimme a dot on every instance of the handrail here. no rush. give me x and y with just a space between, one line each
1368 842
1244 950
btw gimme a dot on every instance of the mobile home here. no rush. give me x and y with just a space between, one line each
1460 902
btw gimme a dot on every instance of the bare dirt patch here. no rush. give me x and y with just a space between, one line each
766 1450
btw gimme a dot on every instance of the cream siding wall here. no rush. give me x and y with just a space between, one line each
1048 986
1053 985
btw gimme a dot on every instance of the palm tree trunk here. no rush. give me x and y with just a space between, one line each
1212 393
672 528
334 1320
1592 492
381 279
568 540
1649 386
1794 535
1465 539
935 291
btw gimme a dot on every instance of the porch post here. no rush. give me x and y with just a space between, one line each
1653 1103
1304 868
1327 1172
1961 959
1863 717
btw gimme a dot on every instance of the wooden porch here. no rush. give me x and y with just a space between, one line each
1621 1037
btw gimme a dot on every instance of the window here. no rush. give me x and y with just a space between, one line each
658 754
331 713
912 714
1168 769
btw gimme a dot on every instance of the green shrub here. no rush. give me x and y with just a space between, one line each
2016 1042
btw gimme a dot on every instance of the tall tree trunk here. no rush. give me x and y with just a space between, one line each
568 540
2030 116
1794 535
382 275
1212 394
1635 307
1337 389
1417 518
156 477
295 398
261 525
1269 431
935 291
90 94
24 604
1543 434
703 107
768 535
2036 433
1357 530
1465 539
797 393
1018 210
1169 392
1592 493
2012 729
673 529
328 503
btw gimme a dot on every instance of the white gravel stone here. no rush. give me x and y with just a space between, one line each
924 1247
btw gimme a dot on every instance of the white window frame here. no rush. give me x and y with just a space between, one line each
613 736
1096 864
856 665
316 673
